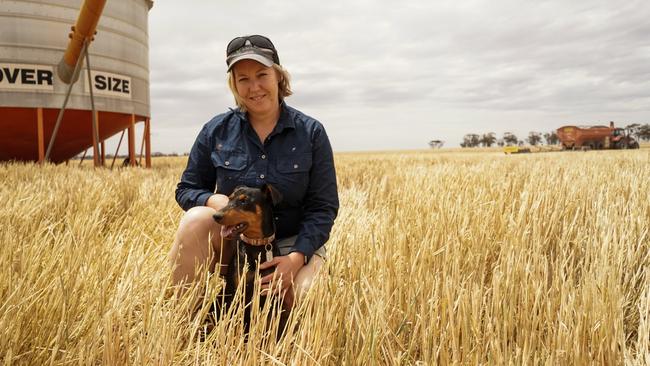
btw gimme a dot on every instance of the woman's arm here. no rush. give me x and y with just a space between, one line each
321 200
199 178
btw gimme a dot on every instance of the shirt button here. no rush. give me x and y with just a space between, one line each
263 156
227 163
261 176
295 166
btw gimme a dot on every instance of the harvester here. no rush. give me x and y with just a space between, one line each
596 137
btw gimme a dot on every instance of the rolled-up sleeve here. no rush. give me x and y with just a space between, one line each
199 178
321 201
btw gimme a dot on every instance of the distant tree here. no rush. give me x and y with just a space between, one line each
551 138
634 129
520 143
476 139
644 132
436 144
534 138
509 138
500 142
488 139
470 140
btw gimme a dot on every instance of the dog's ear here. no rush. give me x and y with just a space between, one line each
272 194
238 188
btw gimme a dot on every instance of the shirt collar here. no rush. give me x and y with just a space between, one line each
286 118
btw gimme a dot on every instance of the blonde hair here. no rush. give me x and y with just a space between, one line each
284 85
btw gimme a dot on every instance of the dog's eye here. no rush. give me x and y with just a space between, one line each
242 198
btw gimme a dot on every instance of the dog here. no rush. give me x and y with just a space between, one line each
247 223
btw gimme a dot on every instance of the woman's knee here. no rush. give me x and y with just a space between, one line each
306 276
197 224
193 248
194 235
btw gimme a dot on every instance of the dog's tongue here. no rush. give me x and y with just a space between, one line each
226 231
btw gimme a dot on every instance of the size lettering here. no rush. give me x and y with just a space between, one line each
109 83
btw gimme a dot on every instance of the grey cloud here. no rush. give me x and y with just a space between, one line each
478 60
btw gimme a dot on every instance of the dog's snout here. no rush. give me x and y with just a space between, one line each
218 216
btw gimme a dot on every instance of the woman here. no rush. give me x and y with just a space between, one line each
262 141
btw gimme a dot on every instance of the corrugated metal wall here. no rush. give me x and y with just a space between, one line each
33 36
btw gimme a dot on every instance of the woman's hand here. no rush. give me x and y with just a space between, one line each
217 201
286 269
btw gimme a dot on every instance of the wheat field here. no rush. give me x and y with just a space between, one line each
436 257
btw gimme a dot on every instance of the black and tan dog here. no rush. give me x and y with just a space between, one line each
248 225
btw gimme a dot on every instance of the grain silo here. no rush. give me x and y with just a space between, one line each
33 38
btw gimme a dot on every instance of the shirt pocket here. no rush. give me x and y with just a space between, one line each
294 164
230 166
293 171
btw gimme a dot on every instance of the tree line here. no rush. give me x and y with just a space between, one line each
508 139
639 131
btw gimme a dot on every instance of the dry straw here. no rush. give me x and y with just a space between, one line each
435 258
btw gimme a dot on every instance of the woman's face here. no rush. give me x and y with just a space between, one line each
257 86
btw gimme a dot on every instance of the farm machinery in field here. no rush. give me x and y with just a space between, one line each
595 137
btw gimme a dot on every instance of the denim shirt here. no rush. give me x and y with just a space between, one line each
296 159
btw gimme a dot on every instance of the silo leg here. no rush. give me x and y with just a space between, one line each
41 138
103 162
132 160
147 133
144 135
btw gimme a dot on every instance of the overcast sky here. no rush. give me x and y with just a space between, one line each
393 75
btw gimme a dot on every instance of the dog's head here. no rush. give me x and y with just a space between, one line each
249 211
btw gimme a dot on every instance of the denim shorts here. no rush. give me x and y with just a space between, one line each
284 246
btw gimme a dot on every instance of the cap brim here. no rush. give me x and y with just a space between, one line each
250 56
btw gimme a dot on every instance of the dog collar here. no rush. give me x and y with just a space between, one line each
251 241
